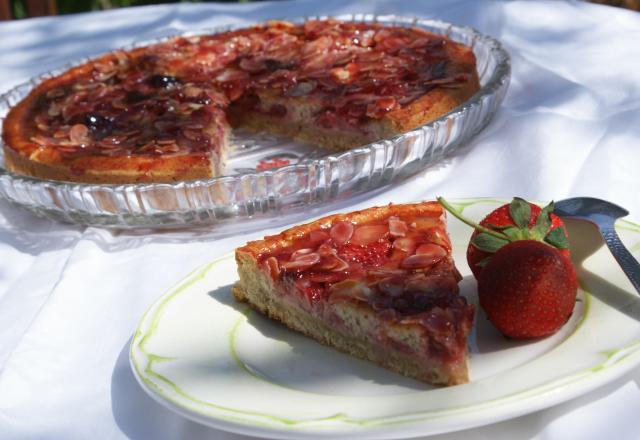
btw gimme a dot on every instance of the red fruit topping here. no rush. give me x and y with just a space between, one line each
271 164
313 292
341 232
302 263
364 235
387 263
372 255
528 289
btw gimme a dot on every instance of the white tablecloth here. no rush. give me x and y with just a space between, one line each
71 296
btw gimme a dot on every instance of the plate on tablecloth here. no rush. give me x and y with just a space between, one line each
202 355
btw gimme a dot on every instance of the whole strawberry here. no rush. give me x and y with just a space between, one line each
520 256
528 289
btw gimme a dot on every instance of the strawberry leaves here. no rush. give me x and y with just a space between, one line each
488 243
557 238
520 212
543 222
491 238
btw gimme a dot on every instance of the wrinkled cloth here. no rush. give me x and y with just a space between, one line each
71 296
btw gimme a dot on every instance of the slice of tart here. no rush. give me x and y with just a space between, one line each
379 284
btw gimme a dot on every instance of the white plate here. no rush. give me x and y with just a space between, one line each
201 354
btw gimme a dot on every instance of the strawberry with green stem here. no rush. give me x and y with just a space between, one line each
519 254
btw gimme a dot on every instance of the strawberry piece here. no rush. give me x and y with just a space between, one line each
266 164
372 255
313 292
528 289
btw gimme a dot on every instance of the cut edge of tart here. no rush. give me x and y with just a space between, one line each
379 284
125 117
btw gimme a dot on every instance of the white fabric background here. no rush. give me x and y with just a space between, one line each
70 296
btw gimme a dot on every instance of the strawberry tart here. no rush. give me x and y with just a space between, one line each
164 112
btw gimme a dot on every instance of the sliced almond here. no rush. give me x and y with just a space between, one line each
422 261
303 263
364 235
406 244
341 232
326 250
335 264
272 266
78 134
397 228
300 252
431 249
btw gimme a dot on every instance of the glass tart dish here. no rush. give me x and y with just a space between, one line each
266 176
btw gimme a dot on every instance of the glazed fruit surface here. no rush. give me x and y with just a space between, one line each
400 267
170 98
